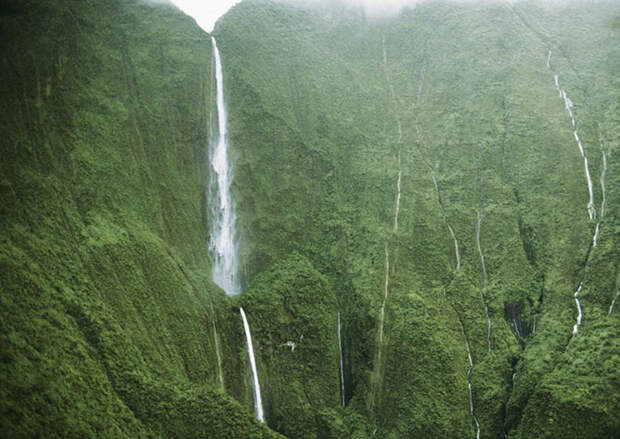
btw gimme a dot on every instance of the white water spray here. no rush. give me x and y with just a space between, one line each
258 402
222 243
341 362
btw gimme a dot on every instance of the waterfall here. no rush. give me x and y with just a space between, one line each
471 399
386 287
568 104
396 214
430 168
603 190
400 173
341 362
613 302
258 402
222 243
579 314
486 279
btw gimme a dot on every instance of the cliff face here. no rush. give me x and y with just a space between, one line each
430 168
108 314
420 177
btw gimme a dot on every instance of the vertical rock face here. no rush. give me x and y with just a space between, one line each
108 313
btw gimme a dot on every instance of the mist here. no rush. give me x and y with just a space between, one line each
387 8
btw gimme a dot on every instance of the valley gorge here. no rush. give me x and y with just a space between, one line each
311 223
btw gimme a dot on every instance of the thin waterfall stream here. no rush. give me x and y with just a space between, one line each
394 230
479 245
258 402
430 167
341 362
568 104
223 245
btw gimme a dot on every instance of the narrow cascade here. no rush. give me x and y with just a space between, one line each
341 362
486 280
471 399
484 268
222 243
604 191
258 402
613 302
417 100
478 229
396 214
428 165
400 174
603 188
217 349
579 314
386 287
568 104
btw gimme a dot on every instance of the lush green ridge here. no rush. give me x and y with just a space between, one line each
110 325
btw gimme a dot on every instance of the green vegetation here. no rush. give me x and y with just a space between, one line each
110 324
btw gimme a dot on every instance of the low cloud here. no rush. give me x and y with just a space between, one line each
385 8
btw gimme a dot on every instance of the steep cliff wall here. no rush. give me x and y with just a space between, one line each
109 318
428 166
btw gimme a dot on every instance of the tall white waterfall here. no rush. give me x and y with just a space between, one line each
222 242
341 362
258 402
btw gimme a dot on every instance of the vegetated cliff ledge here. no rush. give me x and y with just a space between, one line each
108 313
